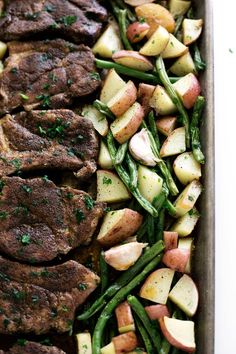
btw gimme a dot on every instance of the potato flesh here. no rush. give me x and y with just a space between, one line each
110 188
181 331
112 85
84 343
162 102
108 349
187 168
156 43
174 48
149 183
184 65
123 99
98 119
187 199
184 226
104 158
192 30
174 144
108 43
179 7
187 244
157 286
185 295
166 125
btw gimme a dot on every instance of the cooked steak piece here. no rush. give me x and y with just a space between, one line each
54 139
46 74
40 221
32 348
42 299
77 20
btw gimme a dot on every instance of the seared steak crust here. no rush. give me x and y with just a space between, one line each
41 299
32 348
40 221
46 74
54 139
77 20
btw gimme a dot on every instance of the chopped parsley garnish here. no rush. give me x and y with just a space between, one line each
67 20
107 209
26 188
69 82
56 130
46 56
106 180
79 215
4 277
69 195
64 308
53 77
14 70
25 239
71 152
191 198
79 138
82 286
2 184
21 209
89 202
6 322
49 8
31 16
94 76
24 97
54 312
45 273
3 215
21 342
46 86
16 163
142 20
35 299
45 178
18 295
45 100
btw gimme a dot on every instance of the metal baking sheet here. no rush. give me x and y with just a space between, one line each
204 258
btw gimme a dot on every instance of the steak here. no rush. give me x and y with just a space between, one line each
77 20
54 139
32 348
46 74
42 299
40 221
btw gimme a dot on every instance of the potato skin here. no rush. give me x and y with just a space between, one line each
145 92
125 227
137 31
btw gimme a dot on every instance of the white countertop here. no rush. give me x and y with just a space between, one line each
225 101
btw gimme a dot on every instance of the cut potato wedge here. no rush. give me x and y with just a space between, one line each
125 342
127 124
110 188
123 99
125 320
185 224
179 7
156 15
187 244
176 259
188 89
149 183
98 119
185 295
145 92
3 49
156 43
187 199
108 349
84 343
166 125
162 102
137 31
118 226
122 257
174 144
187 168
192 30
170 239
104 158
174 48
155 312
132 60
184 65
157 286
108 43
179 333
113 83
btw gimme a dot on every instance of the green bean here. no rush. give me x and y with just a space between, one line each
174 96
124 279
123 6
126 179
121 152
116 300
175 351
103 273
195 131
137 74
133 172
153 129
144 334
178 23
138 308
142 230
160 225
102 107
198 61
150 229
170 208
122 25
